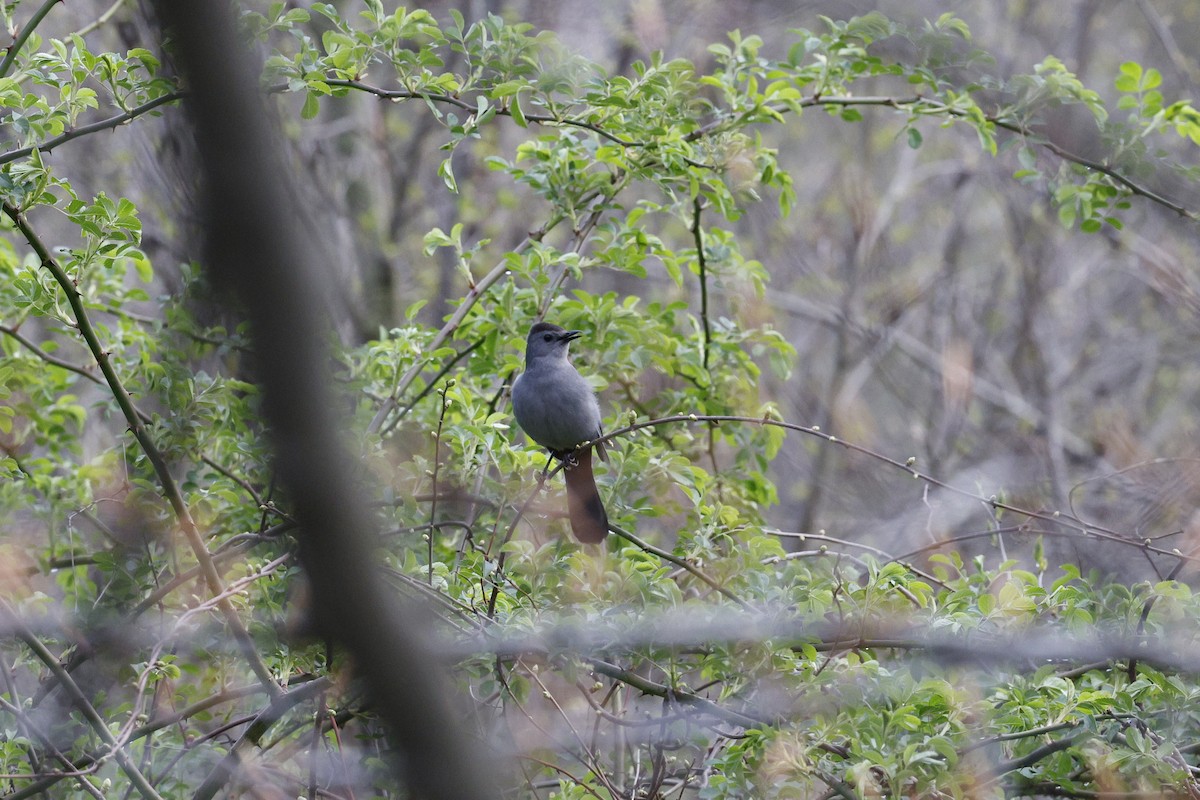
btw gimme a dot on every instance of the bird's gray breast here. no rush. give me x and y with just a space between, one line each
555 406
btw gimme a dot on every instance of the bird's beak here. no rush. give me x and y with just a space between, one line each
571 335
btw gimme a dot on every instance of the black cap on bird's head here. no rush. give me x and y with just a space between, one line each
548 332
546 338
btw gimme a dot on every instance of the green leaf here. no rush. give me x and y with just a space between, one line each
1130 78
413 309
312 106
514 107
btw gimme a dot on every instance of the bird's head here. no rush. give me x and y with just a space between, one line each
547 340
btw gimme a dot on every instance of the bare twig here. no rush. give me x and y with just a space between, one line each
102 19
1054 517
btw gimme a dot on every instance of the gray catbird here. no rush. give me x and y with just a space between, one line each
556 408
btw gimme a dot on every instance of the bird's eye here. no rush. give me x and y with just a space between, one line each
548 338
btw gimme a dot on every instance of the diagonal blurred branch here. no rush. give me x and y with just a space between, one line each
696 625
259 255
253 734
1185 65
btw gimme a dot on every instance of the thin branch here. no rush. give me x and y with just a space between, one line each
839 788
909 104
437 462
253 734
80 701
449 365
589 758
49 359
133 418
195 572
701 704
70 770
498 572
824 537
102 19
1134 188
84 130
474 294
1055 518
14 49
922 355
458 102
702 262
213 700
677 561
226 340
88 761
242 482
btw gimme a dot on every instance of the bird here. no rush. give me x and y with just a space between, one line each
557 408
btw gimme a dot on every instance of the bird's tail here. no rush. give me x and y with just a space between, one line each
589 522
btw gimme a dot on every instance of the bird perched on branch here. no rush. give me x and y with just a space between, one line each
556 408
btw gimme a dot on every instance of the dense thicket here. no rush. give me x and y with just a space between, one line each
892 321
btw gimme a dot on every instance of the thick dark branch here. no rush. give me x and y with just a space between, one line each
1046 750
702 263
264 259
